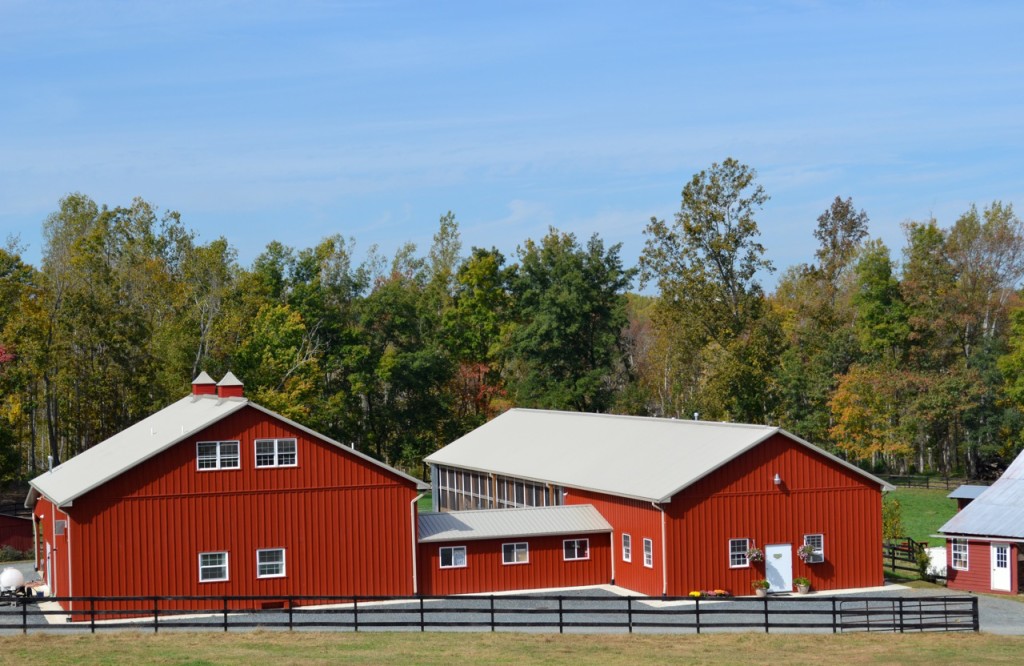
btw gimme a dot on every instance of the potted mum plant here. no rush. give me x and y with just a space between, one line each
802 584
760 587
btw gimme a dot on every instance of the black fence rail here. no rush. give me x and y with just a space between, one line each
493 613
902 553
922 481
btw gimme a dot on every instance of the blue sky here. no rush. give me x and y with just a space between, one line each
291 121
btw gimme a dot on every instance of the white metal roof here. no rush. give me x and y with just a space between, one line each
500 523
998 511
640 457
153 434
967 492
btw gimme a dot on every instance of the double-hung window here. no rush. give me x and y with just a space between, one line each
738 553
959 554
576 549
627 548
276 453
217 455
270 563
515 553
453 557
213 567
817 542
648 553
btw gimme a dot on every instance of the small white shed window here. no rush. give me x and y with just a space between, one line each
213 567
453 557
817 544
958 549
738 553
648 553
627 548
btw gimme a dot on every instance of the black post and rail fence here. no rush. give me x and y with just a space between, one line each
561 613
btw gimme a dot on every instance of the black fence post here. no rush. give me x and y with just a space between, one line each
492 613
697 613
291 613
766 614
974 614
561 626
355 613
629 613
225 614
833 615
156 615
901 615
24 616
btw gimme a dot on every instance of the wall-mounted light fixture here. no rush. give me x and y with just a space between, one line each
778 480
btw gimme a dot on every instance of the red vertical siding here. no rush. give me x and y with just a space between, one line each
740 500
57 580
485 572
344 523
16 532
641 521
978 576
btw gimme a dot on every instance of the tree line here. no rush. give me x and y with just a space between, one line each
908 363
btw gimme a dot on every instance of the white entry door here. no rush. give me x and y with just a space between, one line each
1001 566
778 567
49 571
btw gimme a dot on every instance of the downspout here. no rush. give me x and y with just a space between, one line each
412 523
664 562
71 587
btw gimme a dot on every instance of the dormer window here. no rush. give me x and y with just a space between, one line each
276 453
217 455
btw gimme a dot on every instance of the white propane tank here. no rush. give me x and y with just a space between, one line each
11 578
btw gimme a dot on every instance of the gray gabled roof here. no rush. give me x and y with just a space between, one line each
644 458
996 512
967 492
150 436
511 523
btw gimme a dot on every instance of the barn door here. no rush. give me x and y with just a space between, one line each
778 567
1001 566
49 571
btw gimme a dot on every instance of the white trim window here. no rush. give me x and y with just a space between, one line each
213 567
515 553
217 455
817 542
453 557
627 548
959 557
649 553
270 563
738 553
576 549
276 453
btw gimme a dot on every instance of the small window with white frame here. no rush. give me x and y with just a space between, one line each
817 548
958 559
213 567
217 455
648 553
738 553
276 453
515 553
270 563
453 557
576 549
627 548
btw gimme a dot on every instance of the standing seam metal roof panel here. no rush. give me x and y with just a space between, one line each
644 458
998 511
512 523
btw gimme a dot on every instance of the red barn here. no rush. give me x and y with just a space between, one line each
516 549
984 538
216 495
690 503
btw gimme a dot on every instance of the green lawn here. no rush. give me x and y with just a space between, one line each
425 504
924 512
507 648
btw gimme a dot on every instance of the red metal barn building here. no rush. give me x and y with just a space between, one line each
15 532
216 495
516 549
983 540
689 502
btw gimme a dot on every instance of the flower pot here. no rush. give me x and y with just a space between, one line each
761 592
803 589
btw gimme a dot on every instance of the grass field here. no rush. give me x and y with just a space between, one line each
924 512
506 648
